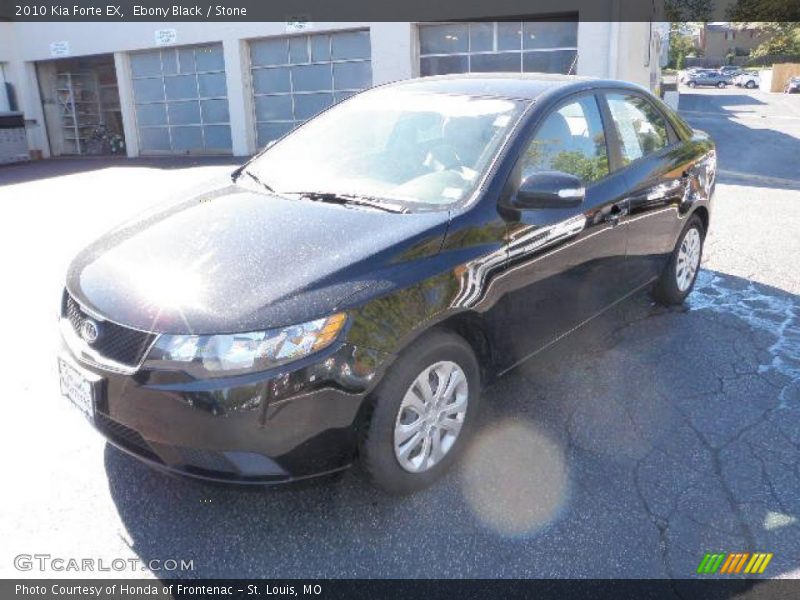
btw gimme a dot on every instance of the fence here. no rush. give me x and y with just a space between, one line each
710 62
782 73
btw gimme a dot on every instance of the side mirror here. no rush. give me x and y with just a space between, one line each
550 189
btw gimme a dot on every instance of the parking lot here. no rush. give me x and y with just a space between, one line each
629 449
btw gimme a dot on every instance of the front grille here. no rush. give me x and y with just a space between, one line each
125 436
115 342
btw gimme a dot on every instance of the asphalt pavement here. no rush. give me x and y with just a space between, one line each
630 449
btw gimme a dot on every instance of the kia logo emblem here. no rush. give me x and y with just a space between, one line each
89 331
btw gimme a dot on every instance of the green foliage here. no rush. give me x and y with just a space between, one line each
752 11
681 44
587 168
689 10
784 39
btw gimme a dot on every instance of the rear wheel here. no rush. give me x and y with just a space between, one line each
422 413
721 84
692 84
750 85
679 276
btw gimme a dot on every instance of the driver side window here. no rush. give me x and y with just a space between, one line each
570 140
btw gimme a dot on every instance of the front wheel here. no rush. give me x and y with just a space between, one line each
692 84
422 413
721 84
750 85
679 276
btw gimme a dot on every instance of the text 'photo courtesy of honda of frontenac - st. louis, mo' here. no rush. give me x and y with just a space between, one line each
343 297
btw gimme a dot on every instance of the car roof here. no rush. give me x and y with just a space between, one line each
507 85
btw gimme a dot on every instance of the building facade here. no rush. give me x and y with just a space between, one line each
231 88
718 40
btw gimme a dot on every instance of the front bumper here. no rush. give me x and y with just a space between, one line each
292 422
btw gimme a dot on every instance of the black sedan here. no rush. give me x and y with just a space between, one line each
344 296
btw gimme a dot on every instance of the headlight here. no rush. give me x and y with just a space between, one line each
230 354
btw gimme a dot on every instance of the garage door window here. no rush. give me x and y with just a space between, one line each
531 46
295 78
181 100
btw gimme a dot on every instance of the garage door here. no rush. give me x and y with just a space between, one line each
296 77
181 100
530 46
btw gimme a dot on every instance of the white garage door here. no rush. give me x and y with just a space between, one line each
296 77
530 46
181 100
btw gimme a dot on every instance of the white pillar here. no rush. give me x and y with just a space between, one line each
126 103
30 103
240 97
4 101
594 39
394 52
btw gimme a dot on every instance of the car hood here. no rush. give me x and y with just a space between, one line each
232 260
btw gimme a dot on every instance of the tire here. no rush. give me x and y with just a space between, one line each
671 288
721 85
692 84
750 85
378 452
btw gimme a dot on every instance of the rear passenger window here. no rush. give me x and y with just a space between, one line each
570 140
642 129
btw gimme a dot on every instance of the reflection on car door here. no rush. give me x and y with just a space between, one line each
563 265
656 169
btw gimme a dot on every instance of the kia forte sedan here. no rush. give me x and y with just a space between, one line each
345 295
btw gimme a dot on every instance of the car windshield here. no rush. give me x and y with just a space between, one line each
392 144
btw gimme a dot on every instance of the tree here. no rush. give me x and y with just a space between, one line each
689 10
783 36
681 44
785 11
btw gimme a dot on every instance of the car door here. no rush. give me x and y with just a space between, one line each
563 265
657 167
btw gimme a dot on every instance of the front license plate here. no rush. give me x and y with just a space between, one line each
77 387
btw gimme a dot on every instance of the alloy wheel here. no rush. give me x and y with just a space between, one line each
431 416
688 259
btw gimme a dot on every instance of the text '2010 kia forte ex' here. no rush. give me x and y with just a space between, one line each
344 295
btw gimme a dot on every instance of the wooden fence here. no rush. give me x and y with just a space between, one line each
781 74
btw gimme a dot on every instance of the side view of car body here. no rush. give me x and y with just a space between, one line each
747 79
707 77
792 86
346 294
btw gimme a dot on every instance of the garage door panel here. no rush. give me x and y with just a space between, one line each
515 46
184 88
294 78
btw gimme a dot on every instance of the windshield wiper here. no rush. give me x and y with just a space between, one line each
255 178
352 199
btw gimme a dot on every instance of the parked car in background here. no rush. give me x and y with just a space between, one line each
344 295
792 86
731 70
747 79
707 77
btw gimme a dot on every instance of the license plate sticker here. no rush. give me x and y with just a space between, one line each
77 387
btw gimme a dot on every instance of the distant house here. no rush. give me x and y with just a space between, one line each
717 40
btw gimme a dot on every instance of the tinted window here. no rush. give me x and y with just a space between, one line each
570 140
642 129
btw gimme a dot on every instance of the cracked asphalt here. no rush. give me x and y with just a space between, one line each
629 449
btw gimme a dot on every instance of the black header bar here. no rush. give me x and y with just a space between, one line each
716 588
399 10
